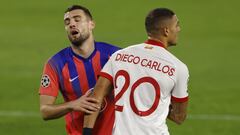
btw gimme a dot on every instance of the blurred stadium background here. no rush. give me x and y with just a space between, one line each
32 31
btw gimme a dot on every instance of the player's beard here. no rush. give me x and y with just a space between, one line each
172 44
79 40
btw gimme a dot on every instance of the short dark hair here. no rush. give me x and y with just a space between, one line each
155 18
84 9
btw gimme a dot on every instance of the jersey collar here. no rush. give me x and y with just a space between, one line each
82 58
154 42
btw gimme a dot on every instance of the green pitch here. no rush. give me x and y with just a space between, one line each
32 31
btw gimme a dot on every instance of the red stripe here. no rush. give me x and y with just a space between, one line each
82 75
154 42
106 75
179 99
96 64
52 89
119 108
74 123
67 85
68 121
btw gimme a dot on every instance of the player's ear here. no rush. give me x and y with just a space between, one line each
92 24
166 31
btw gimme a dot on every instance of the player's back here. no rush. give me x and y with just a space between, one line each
144 78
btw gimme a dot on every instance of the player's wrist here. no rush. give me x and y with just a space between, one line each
70 106
87 131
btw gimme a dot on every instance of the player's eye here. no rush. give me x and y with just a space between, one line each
67 22
77 19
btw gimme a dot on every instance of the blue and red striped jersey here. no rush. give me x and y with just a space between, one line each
73 76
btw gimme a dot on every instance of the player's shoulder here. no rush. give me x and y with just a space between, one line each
61 54
103 44
180 66
133 47
178 62
168 57
172 58
60 57
106 47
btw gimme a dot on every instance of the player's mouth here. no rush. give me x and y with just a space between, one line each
74 32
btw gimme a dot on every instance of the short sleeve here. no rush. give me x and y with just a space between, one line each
49 82
180 91
107 71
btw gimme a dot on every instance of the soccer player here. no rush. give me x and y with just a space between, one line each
73 71
150 83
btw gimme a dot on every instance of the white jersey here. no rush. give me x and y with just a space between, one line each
146 77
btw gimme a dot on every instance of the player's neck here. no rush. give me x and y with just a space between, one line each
86 48
161 40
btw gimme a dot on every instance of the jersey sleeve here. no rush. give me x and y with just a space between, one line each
107 71
49 81
180 90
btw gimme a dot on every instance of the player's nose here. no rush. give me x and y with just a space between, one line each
72 24
179 29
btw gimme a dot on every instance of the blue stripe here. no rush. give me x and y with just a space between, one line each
103 59
106 50
73 74
90 73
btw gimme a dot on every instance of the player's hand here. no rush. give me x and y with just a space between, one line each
85 104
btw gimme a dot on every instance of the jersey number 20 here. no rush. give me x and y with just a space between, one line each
142 80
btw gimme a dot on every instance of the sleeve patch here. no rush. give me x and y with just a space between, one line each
45 81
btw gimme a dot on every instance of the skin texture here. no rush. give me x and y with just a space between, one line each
50 110
79 28
178 112
168 32
101 89
172 31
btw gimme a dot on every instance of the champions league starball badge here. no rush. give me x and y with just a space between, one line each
45 81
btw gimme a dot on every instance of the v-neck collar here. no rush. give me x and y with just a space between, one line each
82 58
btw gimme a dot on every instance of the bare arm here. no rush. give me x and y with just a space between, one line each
102 88
178 111
50 110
